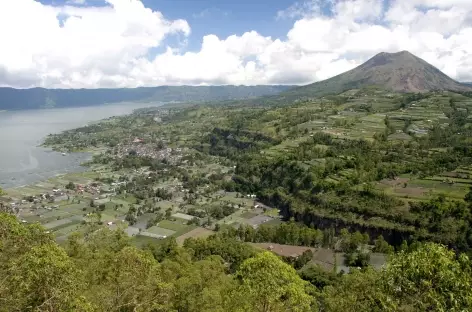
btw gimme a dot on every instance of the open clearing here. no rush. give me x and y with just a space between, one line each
57 223
183 216
156 230
195 233
174 226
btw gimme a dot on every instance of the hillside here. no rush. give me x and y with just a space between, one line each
190 200
400 72
354 160
14 99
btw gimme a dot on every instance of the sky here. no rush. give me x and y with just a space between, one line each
132 43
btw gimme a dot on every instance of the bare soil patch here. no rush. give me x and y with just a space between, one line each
195 233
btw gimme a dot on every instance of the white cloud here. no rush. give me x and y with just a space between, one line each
206 13
94 43
109 46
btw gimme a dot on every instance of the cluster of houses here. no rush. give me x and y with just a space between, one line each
55 196
92 188
140 148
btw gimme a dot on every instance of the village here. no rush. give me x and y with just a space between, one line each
71 202
154 190
68 203
139 147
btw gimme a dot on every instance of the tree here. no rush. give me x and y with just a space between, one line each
269 284
129 281
203 286
303 259
318 276
358 258
430 278
359 291
382 246
42 279
36 274
168 213
70 186
468 196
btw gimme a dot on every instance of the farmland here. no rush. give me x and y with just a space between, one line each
364 159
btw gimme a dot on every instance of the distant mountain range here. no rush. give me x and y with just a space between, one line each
399 72
15 99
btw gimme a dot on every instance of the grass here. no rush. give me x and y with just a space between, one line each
67 230
108 217
160 231
233 218
195 233
248 215
185 230
164 204
272 213
57 223
65 226
174 226
428 187
274 222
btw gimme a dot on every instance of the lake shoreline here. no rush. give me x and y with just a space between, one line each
25 160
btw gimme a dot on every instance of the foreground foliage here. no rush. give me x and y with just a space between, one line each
101 271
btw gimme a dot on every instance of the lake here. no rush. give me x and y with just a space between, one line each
23 162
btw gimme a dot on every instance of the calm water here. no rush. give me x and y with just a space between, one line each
23 162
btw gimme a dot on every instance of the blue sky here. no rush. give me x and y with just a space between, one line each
221 41
219 17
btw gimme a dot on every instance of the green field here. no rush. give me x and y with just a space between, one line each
176 226
159 230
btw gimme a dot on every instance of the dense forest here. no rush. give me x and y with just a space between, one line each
100 271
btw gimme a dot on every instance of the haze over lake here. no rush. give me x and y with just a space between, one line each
22 161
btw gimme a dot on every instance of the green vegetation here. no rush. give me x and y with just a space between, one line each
332 186
15 99
100 271
367 160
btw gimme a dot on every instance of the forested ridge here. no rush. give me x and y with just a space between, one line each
34 98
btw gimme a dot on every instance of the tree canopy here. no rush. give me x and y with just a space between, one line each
101 271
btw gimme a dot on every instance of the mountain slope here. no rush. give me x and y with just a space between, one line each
14 99
400 72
